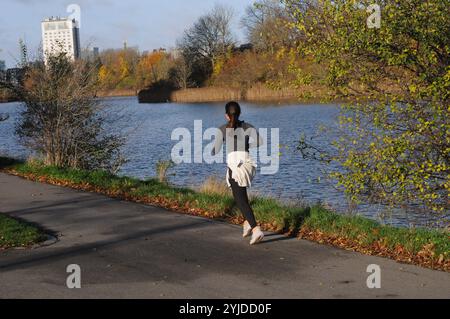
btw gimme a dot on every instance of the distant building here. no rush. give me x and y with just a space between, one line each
2 65
90 55
60 35
160 50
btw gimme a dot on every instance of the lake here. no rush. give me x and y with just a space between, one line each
148 128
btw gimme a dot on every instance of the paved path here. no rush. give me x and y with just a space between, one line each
128 250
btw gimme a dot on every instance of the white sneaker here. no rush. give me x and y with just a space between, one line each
247 230
257 236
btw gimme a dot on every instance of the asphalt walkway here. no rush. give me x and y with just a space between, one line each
128 250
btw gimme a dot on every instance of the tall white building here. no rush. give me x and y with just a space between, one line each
60 35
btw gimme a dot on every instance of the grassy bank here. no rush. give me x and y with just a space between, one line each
425 247
257 93
15 233
116 93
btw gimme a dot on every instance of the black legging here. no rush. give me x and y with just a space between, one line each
241 198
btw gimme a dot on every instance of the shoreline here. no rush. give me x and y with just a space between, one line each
4 101
213 95
116 93
100 94
216 94
428 248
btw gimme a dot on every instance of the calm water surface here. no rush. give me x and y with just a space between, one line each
148 128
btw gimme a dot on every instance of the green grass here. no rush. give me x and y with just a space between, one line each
15 233
268 211
366 232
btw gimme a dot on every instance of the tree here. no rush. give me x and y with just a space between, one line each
152 68
207 40
180 73
394 146
62 120
245 69
118 69
267 26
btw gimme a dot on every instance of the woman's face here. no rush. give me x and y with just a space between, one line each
227 117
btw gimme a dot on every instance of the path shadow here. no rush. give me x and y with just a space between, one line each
78 200
46 257
276 239
293 225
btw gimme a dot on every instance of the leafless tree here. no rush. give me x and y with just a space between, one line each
266 23
180 73
209 38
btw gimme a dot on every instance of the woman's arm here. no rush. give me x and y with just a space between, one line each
219 140
253 133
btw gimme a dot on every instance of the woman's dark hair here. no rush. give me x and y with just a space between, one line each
233 110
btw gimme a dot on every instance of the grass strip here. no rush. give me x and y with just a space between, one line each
15 233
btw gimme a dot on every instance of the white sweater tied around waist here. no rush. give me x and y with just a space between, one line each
243 168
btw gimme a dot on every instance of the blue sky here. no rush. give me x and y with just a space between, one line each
147 24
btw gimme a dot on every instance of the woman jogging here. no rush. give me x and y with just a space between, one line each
239 137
